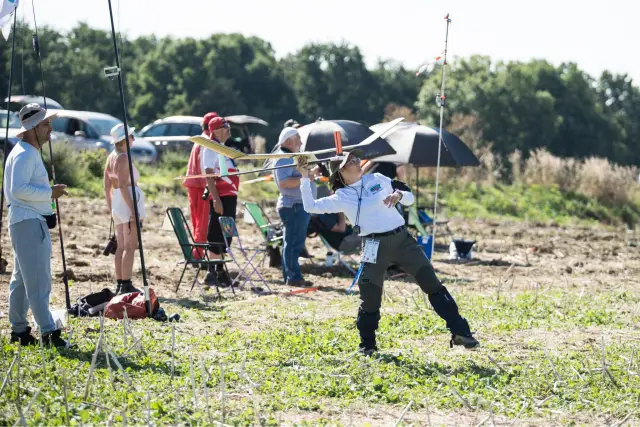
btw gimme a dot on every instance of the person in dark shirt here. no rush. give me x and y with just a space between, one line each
334 229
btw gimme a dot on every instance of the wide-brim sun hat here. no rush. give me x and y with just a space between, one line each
334 167
31 115
117 133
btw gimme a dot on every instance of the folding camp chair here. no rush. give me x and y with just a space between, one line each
271 232
419 217
189 246
229 230
341 255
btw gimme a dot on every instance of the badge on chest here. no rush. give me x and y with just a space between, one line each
376 188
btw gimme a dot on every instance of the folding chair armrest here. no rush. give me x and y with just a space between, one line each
203 245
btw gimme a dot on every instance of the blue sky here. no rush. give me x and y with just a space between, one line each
597 35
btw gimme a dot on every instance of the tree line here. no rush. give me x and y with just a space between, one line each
512 105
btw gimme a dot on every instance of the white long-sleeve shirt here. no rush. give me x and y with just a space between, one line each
375 217
26 184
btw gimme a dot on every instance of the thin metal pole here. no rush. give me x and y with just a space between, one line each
417 187
6 134
442 102
65 276
133 188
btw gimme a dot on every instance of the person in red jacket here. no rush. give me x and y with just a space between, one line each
198 206
224 195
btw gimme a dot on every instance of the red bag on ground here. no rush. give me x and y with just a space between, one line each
134 303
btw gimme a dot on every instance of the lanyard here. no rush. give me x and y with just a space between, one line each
356 227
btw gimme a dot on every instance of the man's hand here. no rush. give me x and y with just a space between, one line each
392 199
303 166
58 191
217 205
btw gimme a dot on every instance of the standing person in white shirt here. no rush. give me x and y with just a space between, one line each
223 196
369 202
29 198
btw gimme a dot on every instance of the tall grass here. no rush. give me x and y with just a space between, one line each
610 184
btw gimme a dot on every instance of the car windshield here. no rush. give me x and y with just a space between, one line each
14 121
103 126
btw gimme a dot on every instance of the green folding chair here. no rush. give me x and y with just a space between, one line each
189 246
271 232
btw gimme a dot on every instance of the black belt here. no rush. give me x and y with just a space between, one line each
386 233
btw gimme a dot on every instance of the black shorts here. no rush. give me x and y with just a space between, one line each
214 234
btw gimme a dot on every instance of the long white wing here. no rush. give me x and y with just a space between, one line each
239 155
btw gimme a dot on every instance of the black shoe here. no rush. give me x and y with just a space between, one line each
54 339
468 342
224 280
367 349
24 338
118 286
299 283
211 279
127 287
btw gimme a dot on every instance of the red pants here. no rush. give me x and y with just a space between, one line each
199 217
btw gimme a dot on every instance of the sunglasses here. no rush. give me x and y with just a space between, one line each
353 160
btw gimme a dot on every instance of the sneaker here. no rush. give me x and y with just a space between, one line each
468 342
24 338
54 339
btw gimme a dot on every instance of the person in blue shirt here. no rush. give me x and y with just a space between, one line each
289 206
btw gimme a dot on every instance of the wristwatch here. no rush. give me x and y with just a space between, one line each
400 193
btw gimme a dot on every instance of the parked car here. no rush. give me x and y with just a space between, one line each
172 133
14 126
19 101
89 130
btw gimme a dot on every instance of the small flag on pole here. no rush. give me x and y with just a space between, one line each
428 67
7 9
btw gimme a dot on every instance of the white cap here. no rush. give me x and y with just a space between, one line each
31 115
117 133
287 133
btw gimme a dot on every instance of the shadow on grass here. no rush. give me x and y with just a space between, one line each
319 269
197 304
483 263
126 362
416 368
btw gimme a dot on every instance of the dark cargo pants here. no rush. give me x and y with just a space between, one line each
400 248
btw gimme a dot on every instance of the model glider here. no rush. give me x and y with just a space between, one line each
309 155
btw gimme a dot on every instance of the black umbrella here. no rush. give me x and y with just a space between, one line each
418 145
319 136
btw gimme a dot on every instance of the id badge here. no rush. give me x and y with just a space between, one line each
370 251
